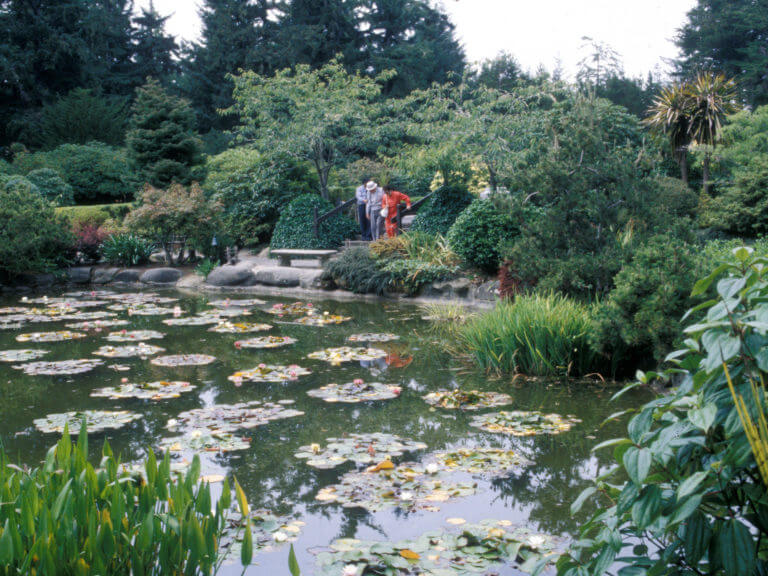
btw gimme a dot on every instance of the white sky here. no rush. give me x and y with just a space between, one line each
535 31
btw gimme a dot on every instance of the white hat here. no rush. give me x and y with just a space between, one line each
371 186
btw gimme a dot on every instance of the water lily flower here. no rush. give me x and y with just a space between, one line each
124 380
357 382
349 570
280 536
406 496
432 468
262 366
536 540
315 448
176 311
238 344
325 313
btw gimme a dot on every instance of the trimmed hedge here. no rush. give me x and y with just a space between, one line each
440 212
294 228
477 233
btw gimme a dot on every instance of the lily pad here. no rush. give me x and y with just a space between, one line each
59 368
323 320
192 321
149 310
141 350
86 303
466 399
199 441
520 423
347 354
13 310
90 294
244 303
231 417
294 309
486 461
183 360
160 390
269 531
21 355
265 342
355 392
96 324
239 327
96 420
371 337
139 298
134 335
269 373
83 316
60 336
358 448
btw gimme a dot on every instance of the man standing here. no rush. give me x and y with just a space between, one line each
375 196
362 200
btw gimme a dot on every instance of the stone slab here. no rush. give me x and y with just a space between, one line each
160 276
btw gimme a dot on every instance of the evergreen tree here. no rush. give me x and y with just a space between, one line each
500 73
234 37
155 50
162 141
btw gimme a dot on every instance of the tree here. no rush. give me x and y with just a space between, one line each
600 63
155 51
324 116
162 141
728 36
502 73
669 115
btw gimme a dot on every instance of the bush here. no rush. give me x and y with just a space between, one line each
89 239
387 248
127 250
409 276
357 271
32 238
70 517
638 323
688 493
18 183
52 187
537 335
205 267
439 213
95 214
294 229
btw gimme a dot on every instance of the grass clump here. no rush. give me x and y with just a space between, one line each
537 335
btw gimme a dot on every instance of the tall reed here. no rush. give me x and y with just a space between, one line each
537 335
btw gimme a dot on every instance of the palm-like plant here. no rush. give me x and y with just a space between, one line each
670 115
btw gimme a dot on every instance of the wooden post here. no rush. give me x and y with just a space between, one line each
314 222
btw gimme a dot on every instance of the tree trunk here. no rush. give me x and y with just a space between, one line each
492 183
705 173
683 160
168 248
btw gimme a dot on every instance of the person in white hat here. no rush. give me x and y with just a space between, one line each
362 208
373 209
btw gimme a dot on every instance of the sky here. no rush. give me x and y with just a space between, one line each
535 31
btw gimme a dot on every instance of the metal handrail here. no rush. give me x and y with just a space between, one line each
414 207
317 219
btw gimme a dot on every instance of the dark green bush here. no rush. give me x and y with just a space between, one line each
440 212
294 228
52 187
639 322
16 182
357 271
409 276
127 250
32 238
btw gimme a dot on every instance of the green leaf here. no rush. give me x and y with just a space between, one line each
579 502
737 549
696 537
648 507
6 546
689 485
704 417
703 285
293 565
684 510
246 552
613 442
242 501
730 287
640 424
637 463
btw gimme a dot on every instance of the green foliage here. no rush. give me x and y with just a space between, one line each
69 517
687 494
33 238
294 229
95 214
162 141
638 323
536 335
51 186
439 213
410 275
357 271
126 250
205 267
253 189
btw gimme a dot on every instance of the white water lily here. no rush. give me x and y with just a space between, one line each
432 468
349 570
406 496
536 540
280 536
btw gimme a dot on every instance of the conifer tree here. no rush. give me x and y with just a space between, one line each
155 49
162 141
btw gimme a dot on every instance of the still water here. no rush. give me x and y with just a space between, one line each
537 496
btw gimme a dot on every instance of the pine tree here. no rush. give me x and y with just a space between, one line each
155 50
162 141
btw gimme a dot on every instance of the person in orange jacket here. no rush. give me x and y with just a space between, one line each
390 201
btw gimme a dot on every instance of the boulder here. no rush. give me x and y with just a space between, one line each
227 275
160 276
458 288
311 279
488 291
128 276
79 274
41 280
277 276
103 275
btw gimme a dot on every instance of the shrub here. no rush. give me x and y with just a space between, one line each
70 517
205 267
18 183
32 238
387 248
357 271
688 493
127 250
294 229
96 214
409 276
52 187
89 239
429 248
537 335
439 213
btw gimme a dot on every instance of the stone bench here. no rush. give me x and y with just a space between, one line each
285 256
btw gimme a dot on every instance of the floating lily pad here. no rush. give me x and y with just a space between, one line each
96 421
86 303
408 486
21 355
96 324
466 399
149 311
13 310
59 368
160 390
192 321
245 303
141 350
199 441
294 309
269 531
11 325
480 548
354 392
519 423
90 294
119 367
265 342
232 417
239 327
487 461
60 336
48 300
323 320
371 337
184 360
134 335
357 448
81 316
138 298
269 373
347 354
225 312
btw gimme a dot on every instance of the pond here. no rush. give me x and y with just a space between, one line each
535 495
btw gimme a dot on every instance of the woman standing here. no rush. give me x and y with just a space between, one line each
389 204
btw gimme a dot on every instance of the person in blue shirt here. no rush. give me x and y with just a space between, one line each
362 200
